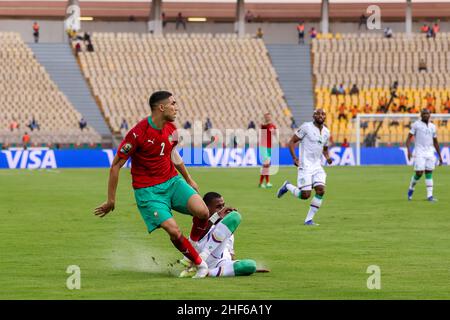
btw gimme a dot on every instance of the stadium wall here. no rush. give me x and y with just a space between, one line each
42 158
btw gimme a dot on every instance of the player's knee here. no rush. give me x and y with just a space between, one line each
232 220
245 267
419 173
305 195
320 191
174 233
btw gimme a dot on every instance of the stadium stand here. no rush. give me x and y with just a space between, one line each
227 79
373 63
28 92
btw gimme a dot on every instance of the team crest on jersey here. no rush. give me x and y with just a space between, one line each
126 148
170 138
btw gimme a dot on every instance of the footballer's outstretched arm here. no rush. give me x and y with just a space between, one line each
108 206
294 140
438 150
408 145
179 165
327 155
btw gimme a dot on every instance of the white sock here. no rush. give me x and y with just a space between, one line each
429 184
224 271
294 190
314 207
413 182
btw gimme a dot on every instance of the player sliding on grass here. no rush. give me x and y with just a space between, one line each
313 137
157 186
426 142
217 242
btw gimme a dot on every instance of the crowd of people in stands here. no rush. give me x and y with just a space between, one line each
399 105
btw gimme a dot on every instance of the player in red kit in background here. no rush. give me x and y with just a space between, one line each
157 186
265 149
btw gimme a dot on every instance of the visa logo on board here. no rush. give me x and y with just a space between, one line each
30 159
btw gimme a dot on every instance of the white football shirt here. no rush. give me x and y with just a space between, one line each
423 135
311 145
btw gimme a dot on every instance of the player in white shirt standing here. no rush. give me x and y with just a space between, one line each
313 137
426 142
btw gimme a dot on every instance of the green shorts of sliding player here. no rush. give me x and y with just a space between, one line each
265 154
155 203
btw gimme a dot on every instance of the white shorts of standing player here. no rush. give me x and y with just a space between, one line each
309 179
422 163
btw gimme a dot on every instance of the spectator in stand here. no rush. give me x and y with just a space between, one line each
301 32
430 107
388 33
249 16
342 112
77 48
251 125
382 104
14 125
430 33
208 124
345 144
90 47
422 65
87 38
293 123
313 33
362 21
334 90
354 111
424 28
180 20
368 108
124 125
33 124
26 140
341 89
445 109
403 101
436 29
413 109
354 90
82 123
430 99
259 33
187 125
36 29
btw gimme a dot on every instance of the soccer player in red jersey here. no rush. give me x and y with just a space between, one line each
157 186
267 131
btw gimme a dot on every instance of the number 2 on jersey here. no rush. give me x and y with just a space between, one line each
162 148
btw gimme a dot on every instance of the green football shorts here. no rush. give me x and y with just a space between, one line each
156 202
265 154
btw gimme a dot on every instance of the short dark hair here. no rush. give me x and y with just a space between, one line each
157 97
210 196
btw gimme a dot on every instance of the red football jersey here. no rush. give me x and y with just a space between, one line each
267 130
150 152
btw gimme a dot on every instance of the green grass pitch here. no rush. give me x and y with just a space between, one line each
47 224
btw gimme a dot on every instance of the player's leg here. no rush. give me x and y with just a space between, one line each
231 268
218 237
319 180
429 167
185 199
303 188
264 172
419 168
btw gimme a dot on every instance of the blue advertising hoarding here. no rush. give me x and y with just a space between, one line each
223 157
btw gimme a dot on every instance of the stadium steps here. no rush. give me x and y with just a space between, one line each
61 64
293 65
